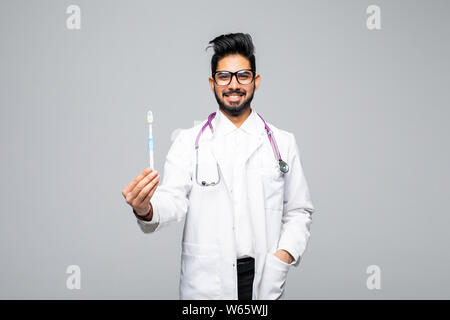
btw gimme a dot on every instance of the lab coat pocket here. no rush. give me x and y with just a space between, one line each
200 278
273 184
273 278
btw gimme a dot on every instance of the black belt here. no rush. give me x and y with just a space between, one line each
245 259
246 274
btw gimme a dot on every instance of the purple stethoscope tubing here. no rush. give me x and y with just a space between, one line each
284 168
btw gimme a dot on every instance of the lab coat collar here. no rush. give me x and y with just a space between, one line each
253 125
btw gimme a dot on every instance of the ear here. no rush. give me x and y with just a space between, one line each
211 83
257 80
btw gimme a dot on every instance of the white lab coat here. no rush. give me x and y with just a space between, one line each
280 208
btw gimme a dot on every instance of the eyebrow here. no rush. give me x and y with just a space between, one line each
246 69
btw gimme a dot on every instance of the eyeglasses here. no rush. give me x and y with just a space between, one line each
223 78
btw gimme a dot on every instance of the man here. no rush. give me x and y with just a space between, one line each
247 219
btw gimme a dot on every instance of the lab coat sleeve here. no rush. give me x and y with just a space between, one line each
170 201
149 226
297 208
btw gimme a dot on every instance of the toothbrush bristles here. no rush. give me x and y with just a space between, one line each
149 116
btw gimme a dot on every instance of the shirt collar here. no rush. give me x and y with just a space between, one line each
225 126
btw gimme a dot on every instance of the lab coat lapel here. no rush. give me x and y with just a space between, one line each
215 143
256 129
217 149
255 141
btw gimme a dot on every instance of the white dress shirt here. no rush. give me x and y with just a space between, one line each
236 142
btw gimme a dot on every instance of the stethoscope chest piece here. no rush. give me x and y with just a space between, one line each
283 166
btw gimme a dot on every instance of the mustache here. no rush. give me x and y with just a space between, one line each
233 92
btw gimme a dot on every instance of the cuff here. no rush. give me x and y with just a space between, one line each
155 217
292 253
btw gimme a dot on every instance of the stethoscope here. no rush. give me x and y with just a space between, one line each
284 168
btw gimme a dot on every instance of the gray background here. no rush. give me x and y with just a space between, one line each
369 110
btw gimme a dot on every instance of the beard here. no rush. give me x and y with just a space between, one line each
234 110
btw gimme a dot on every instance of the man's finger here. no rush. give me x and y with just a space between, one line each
150 194
143 194
141 184
153 189
135 181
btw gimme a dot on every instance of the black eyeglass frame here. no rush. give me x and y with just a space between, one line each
234 74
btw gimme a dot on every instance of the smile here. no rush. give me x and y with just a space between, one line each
234 97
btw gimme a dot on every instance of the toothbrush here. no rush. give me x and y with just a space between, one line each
150 138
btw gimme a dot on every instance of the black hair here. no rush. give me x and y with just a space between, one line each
232 43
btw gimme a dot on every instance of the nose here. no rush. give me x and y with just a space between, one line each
234 83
